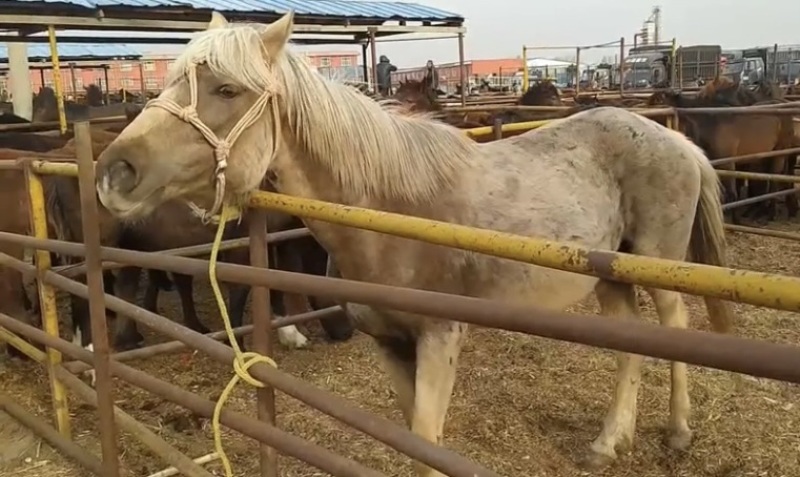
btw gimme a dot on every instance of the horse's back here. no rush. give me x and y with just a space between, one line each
580 178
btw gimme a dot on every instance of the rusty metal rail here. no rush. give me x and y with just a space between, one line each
380 428
702 348
712 350
173 346
288 444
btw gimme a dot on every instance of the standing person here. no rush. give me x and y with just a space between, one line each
431 76
384 72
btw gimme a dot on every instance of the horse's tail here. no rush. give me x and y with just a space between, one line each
708 244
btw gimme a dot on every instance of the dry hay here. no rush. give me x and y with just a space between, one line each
523 406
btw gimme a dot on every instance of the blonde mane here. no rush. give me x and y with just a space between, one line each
371 149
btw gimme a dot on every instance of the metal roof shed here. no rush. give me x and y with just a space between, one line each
351 21
40 53
329 17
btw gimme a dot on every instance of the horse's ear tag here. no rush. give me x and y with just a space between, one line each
277 34
217 21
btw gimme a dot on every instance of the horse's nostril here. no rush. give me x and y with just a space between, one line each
122 176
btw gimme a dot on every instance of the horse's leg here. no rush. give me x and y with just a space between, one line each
618 300
289 303
317 262
160 278
126 335
671 309
778 167
399 359
730 192
150 302
184 285
237 301
672 312
791 202
438 349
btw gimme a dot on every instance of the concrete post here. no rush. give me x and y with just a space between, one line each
21 91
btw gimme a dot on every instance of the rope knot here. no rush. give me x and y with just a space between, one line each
222 152
188 114
242 364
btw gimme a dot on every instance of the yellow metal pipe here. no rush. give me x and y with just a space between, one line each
755 288
62 116
489 130
47 300
55 168
23 346
525 78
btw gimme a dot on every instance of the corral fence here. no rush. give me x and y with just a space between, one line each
757 358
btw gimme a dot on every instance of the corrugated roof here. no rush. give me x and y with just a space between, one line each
335 8
75 51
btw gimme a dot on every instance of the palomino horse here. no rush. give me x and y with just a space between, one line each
174 226
604 178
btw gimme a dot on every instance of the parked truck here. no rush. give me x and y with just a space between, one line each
781 65
652 66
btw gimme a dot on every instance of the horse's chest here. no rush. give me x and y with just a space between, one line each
382 324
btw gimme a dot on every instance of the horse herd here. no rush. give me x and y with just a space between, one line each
603 178
174 226
720 136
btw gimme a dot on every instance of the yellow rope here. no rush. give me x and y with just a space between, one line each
242 361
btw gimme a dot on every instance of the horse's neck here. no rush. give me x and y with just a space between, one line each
300 177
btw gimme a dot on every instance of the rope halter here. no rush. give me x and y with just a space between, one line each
222 146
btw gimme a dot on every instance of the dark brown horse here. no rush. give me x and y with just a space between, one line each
541 93
734 135
14 301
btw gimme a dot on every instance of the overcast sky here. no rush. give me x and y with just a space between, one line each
498 28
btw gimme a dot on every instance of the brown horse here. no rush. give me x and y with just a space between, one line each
14 300
734 135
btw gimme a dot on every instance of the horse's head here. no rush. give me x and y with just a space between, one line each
212 130
45 105
724 92
417 96
94 95
543 93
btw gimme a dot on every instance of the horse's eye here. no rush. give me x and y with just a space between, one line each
227 91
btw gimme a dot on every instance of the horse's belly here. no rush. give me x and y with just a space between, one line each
534 285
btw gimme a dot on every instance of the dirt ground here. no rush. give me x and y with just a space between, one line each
523 406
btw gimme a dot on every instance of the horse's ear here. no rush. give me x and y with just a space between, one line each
277 34
217 21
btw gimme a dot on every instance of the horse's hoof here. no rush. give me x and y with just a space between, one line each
201 329
340 335
594 461
679 440
127 344
290 337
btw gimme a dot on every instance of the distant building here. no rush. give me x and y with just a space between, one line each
495 71
122 74
128 75
336 65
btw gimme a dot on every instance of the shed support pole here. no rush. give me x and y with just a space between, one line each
461 76
365 62
21 90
